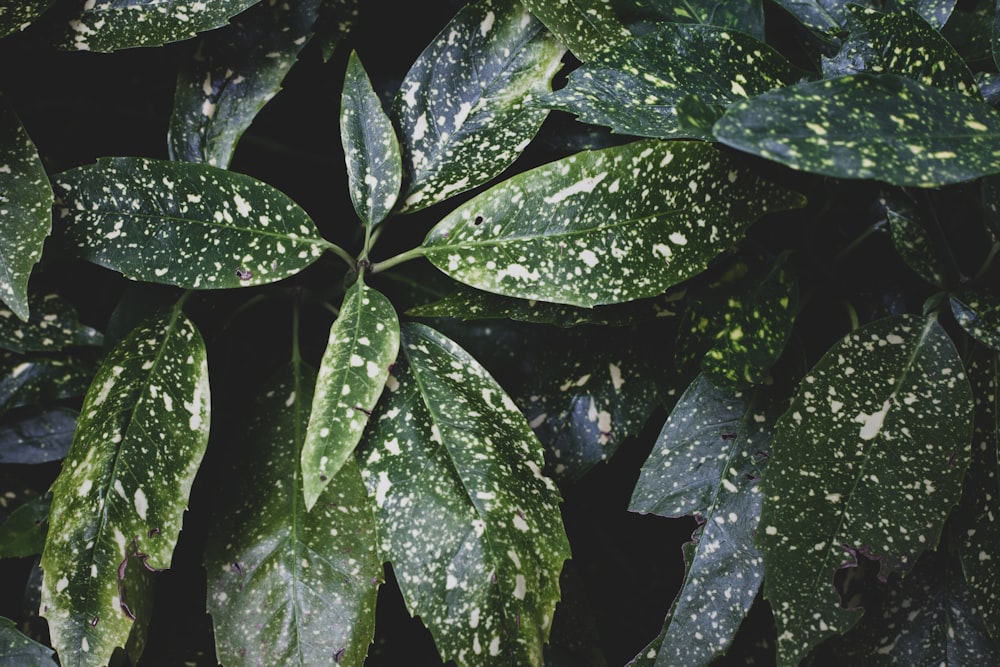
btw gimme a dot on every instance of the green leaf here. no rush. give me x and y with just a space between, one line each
23 532
462 511
120 498
183 224
16 15
585 26
286 586
17 650
110 25
232 74
707 462
869 458
34 380
374 163
575 232
888 128
38 437
635 87
25 210
463 107
979 314
363 344
828 17
51 326
745 15
336 20
995 41
911 239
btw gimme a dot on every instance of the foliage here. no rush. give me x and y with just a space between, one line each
326 345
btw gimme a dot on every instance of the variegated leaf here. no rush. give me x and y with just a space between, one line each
979 315
910 237
51 326
18 650
585 26
745 15
16 15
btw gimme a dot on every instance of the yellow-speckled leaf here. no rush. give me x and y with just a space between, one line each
16 15
52 326
585 26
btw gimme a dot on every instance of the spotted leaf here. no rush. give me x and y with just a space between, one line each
25 210
462 511
183 224
51 326
995 39
18 650
585 26
888 128
363 344
40 436
334 24
286 586
16 15
869 458
828 17
23 532
462 108
374 163
909 231
110 25
32 380
745 15
707 462
231 75
979 315
575 231
120 498
636 87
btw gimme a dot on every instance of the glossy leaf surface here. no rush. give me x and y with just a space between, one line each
745 15
16 15
51 326
33 380
909 231
979 315
17 650
585 26
38 437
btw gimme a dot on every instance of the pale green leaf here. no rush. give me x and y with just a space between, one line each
183 224
585 26
231 75
888 128
51 326
120 498
109 25
362 345
374 163
575 231
286 586
25 210
745 15
18 650
471 526
463 109
870 458
41 436
979 314
16 15
23 532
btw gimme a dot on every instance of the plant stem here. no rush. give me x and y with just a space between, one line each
343 254
990 256
398 259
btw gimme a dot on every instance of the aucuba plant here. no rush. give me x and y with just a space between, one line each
503 332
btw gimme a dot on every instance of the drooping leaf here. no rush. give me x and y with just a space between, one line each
745 15
471 526
16 15
286 586
333 25
23 532
120 498
869 458
888 128
110 25
707 462
184 224
51 326
374 163
635 87
232 74
573 231
38 437
979 314
25 210
18 650
363 344
911 239
36 380
585 26
463 107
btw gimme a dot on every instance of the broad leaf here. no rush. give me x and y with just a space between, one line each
18 650
585 26
286 586
910 238
109 25
374 163
38 437
462 511
35 380
888 128
828 17
979 315
707 462
636 87
16 15
574 231
462 108
362 346
25 210
745 15
23 532
869 458
52 326
120 498
184 224
233 73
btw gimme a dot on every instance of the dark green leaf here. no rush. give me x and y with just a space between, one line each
336 20
109 25
233 73
184 224
374 163
745 15
585 26
286 586
979 315
970 31
575 232
995 41
39 437
120 498
362 345
51 326
830 16
471 526
635 87
23 532
16 15
35 380
870 459
888 128
911 239
17 650
462 108
25 210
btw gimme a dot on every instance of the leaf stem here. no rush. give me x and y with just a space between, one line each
398 259
990 256
343 254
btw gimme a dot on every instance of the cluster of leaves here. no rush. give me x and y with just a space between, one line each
639 210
